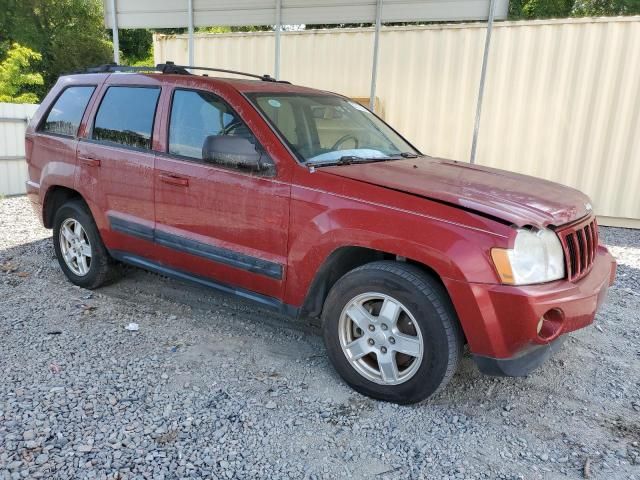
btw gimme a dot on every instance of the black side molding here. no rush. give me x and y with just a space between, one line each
131 228
220 255
193 247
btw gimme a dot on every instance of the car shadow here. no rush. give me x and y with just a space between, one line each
25 262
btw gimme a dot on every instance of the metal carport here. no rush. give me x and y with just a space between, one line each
197 13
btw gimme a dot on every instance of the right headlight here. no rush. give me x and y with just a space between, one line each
536 257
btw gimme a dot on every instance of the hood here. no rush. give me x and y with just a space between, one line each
517 199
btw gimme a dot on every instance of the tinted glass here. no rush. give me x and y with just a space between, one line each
328 127
195 116
65 115
126 116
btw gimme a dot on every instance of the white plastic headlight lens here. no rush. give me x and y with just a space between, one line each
536 257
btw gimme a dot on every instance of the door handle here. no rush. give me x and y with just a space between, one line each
174 180
89 161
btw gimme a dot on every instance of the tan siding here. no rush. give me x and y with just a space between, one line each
562 100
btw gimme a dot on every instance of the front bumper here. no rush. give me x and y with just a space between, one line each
501 321
521 364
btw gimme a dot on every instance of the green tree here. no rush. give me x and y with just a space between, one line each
136 45
593 8
16 76
532 9
70 35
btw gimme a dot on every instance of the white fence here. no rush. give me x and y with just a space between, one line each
562 97
13 169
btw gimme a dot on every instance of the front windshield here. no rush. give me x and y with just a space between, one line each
322 128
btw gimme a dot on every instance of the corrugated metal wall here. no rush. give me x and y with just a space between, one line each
562 99
13 169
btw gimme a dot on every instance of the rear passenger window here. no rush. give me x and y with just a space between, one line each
65 115
196 115
126 116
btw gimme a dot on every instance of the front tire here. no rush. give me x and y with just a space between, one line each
81 254
391 332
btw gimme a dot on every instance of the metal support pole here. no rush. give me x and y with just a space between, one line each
276 67
483 75
114 26
374 68
190 41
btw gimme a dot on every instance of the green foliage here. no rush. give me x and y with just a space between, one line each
226 29
593 8
532 9
16 75
143 62
69 34
135 45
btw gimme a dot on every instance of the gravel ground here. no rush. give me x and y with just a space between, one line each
210 387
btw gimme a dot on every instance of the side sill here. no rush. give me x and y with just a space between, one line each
269 302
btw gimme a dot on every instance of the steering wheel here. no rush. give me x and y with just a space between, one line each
344 138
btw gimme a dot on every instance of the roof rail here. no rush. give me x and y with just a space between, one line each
170 67
114 67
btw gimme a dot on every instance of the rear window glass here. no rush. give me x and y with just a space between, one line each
65 115
126 116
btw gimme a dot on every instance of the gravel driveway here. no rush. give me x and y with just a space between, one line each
210 387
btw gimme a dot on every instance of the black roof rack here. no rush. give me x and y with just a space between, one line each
170 67
114 67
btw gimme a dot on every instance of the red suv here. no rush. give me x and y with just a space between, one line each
309 204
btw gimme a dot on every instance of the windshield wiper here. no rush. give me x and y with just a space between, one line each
351 159
345 160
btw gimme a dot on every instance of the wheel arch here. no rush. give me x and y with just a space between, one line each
56 196
343 260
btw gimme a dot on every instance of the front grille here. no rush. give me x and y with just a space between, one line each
580 242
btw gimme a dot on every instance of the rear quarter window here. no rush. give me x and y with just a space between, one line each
66 113
126 116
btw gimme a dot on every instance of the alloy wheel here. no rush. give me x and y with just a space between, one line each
380 338
75 247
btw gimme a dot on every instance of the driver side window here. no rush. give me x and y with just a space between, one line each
195 115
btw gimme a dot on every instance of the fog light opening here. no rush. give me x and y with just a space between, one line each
550 324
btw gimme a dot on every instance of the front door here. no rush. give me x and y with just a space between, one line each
213 220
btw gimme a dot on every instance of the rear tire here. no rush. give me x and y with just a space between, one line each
391 332
81 254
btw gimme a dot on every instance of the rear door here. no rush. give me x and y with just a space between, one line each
214 220
116 163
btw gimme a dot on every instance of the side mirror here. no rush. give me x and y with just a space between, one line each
233 151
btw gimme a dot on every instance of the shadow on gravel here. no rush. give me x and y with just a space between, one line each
201 298
149 288
35 248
